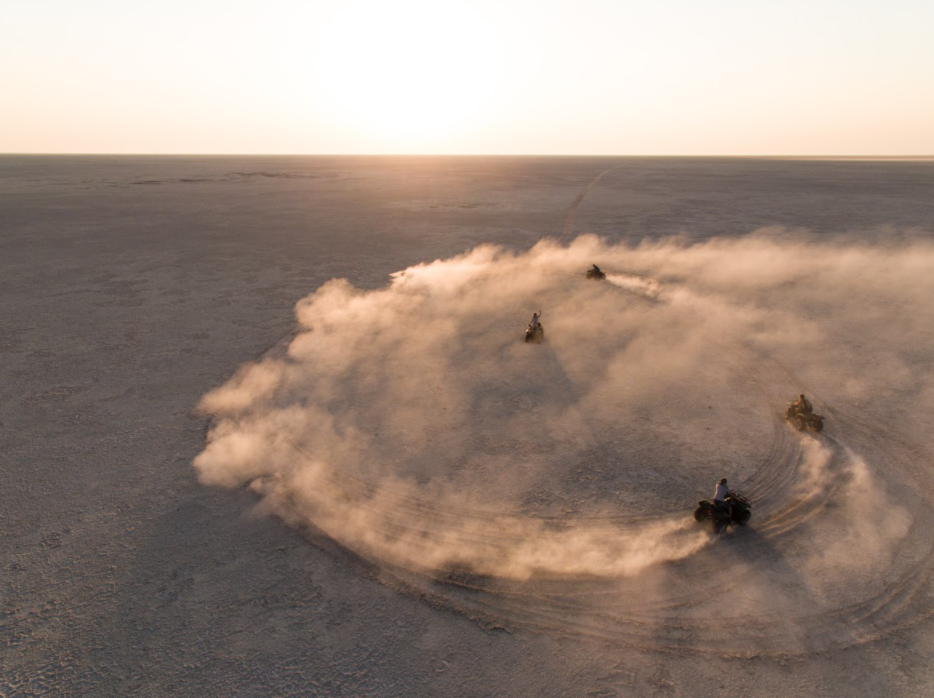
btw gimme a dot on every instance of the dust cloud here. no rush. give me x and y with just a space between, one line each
413 425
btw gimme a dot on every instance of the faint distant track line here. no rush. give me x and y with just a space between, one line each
572 209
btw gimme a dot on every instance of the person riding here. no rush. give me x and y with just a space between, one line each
802 406
534 325
720 496
596 270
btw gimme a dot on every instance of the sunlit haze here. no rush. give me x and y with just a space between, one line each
823 77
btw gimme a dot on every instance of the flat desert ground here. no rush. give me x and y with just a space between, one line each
241 454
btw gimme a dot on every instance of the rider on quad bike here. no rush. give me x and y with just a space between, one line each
801 415
726 508
802 406
721 497
595 273
535 332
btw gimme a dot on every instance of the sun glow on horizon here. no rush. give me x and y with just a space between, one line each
557 77
413 73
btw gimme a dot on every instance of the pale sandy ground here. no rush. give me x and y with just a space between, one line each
132 287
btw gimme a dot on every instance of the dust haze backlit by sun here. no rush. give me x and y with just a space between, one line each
409 73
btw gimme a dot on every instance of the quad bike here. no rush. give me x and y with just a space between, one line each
804 420
535 334
596 274
739 513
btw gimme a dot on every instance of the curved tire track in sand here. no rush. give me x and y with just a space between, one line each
731 581
698 588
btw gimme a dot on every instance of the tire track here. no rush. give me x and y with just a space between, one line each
571 211
605 610
751 582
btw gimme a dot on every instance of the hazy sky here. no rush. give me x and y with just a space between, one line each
481 76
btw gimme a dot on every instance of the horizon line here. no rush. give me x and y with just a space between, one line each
763 156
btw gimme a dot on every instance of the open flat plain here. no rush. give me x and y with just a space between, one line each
132 287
